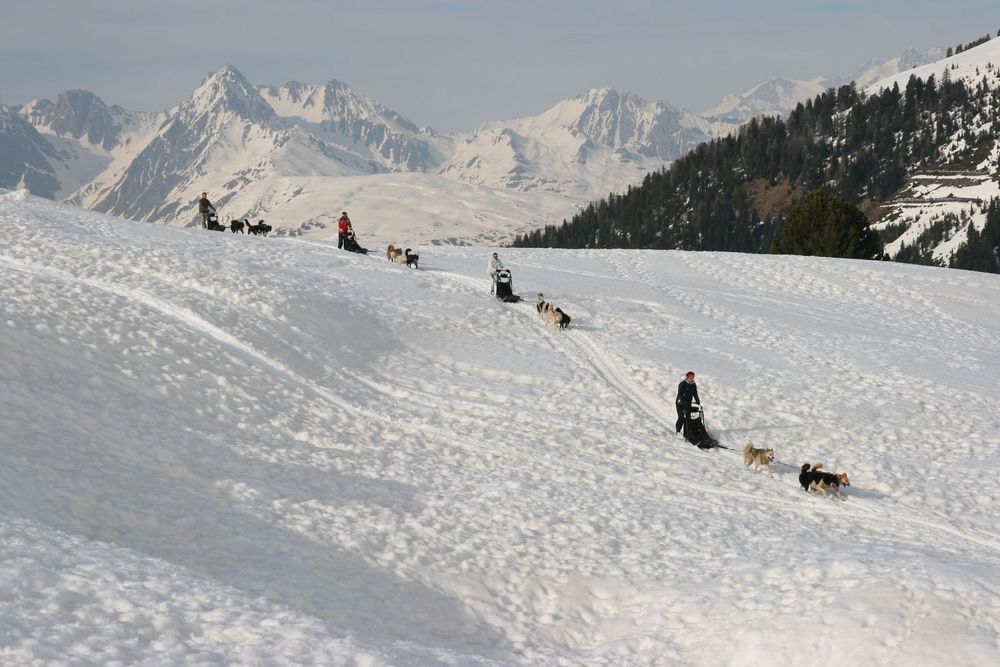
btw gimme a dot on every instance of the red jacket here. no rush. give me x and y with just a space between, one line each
343 225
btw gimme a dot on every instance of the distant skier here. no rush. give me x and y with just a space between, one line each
207 210
344 229
687 393
494 266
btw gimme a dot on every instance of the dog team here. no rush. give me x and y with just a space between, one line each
410 259
551 314
811 477
237 227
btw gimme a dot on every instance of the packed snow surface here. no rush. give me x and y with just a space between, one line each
220 449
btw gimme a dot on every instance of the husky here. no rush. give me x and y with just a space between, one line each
758 457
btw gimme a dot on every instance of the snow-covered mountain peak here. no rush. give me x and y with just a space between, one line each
227 90
777 95
79 114
336 103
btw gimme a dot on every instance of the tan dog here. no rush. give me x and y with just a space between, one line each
394 254
758 457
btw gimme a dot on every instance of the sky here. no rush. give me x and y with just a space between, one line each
452 65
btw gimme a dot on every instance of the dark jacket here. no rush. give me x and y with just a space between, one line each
204 206
687 393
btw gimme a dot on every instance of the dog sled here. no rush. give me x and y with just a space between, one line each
694 428
351 244
213 222
504 287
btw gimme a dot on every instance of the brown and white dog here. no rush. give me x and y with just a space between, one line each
758 457
394 254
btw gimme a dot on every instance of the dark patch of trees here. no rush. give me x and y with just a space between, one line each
826 226
981 250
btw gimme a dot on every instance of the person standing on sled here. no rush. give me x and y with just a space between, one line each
344 229
494 266
206 209
687 393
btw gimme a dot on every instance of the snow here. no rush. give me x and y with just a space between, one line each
961 66
220 449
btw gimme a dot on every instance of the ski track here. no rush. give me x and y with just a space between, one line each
606 368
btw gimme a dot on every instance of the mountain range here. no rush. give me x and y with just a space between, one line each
298 154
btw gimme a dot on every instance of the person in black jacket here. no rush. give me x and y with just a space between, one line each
687 393
205 208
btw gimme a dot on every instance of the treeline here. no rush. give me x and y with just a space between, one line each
965 47
981 251
732 193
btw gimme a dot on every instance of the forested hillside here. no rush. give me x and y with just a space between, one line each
733 193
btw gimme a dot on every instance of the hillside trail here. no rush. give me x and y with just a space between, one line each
586 349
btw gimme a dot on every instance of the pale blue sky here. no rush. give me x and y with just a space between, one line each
453 64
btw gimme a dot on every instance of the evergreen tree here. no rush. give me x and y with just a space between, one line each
828 227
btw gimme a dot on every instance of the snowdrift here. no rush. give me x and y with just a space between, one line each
221 449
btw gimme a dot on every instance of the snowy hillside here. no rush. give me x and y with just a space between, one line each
937 206
221 449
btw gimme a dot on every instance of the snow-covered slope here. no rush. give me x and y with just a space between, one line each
875 70
219 449
961 66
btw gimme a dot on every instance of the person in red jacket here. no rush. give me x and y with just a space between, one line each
344 228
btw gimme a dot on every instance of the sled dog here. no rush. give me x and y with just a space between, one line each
758 457
818 481
392 253
261 228
411 259
551 314
540 304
